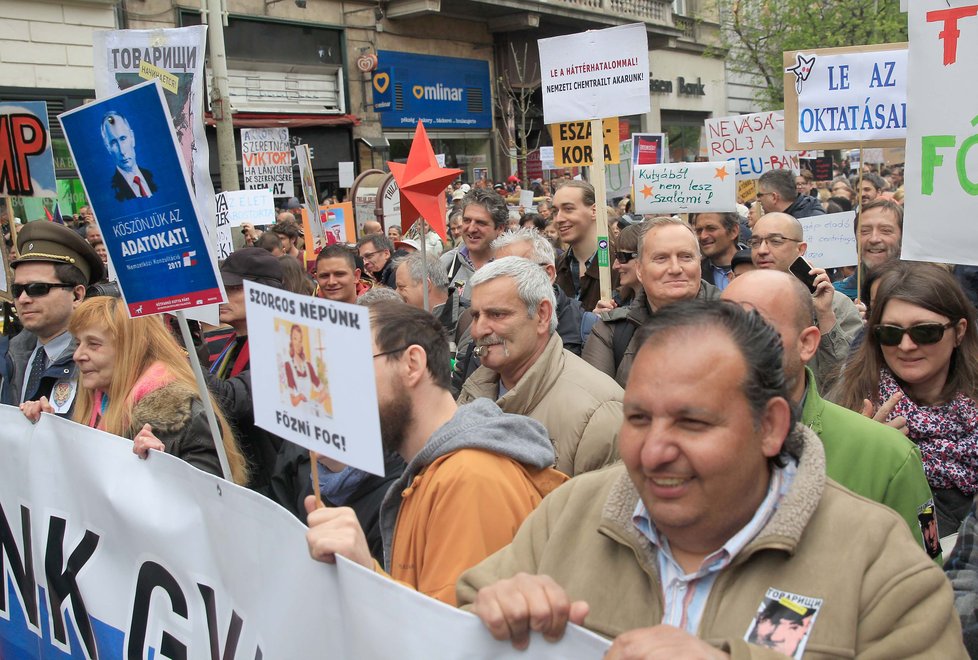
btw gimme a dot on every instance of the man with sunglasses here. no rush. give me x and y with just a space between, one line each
777 242
50 277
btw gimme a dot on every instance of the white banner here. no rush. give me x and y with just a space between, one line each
685 188
831 240
851 96
595 74
942 161
312 374
124 58
155 558
266 160
754 144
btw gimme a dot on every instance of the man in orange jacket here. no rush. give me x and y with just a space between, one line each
473 472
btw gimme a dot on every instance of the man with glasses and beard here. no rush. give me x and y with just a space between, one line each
50 277
473 472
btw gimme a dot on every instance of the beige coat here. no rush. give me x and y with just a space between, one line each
579 406
882 596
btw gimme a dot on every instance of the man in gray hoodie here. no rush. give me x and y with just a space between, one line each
473 472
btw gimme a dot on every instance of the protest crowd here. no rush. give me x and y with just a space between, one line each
701 463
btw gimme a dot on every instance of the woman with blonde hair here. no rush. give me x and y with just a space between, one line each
135 382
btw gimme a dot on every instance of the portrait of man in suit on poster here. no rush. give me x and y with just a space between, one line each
130 180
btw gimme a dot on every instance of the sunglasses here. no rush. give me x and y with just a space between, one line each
625 257
922 334
37 289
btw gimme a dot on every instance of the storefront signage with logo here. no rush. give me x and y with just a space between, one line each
442 92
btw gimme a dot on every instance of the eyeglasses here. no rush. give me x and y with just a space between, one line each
37 289
921 334
370 255
625 257
396 350
774 240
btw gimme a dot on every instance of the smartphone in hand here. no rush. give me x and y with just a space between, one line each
800 268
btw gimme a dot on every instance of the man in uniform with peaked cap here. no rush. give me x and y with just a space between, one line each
50 278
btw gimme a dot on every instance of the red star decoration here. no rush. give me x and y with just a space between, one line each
646 191
422 184
721 173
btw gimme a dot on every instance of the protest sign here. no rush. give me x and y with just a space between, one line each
252 206
526 199
845 97
619 176
820 167
109 556
746 190
649 149
685 188
140 195
831 239
338 223
177 56
594 74
316 235
754 143
312 374
942 161
266 159
547 158
572 142
26 156
346 173
223 243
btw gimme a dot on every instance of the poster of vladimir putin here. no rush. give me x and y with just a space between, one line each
129 181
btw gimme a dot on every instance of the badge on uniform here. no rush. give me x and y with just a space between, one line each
62 395
784 622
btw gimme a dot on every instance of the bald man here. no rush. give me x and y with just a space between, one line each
777 241
867 457
371 227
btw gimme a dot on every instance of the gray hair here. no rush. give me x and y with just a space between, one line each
435 273
491 201
532 284
378 294
779 181
542 250
664 221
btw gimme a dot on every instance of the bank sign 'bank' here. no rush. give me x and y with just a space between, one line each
442 92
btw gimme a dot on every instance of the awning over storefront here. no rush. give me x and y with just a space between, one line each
265 120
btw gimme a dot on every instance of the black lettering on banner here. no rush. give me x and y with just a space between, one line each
63 583
234 628
152 575
22 567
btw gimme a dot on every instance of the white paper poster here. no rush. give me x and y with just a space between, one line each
253 206
685 188
124 58
850 97
312 374
346 174
109 556
595 74
754 144
831 239
942 161
266 160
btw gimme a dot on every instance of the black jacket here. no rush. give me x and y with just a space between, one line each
805 207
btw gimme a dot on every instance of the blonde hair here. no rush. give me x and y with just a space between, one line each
139 343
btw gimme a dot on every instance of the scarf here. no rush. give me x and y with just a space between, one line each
947 435
157 376
338 487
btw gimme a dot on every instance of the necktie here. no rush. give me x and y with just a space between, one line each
139 184
34 379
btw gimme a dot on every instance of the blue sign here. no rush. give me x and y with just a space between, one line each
442 92
129 163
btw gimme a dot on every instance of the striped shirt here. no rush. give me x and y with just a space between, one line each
685 594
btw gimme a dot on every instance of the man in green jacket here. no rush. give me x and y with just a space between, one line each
718 523
867 457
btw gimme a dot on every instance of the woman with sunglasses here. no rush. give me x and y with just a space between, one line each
918 369
135 382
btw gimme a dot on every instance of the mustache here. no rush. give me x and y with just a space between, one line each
482 345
